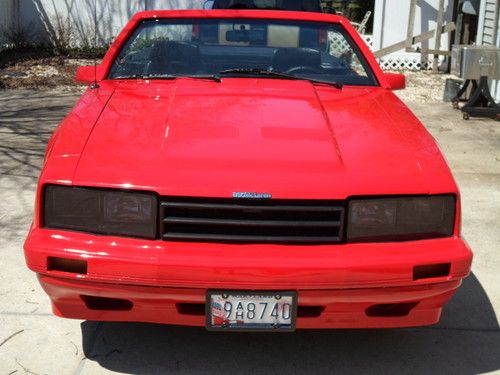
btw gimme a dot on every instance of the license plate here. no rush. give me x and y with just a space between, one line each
235 310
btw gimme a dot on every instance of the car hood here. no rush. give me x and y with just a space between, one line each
291 139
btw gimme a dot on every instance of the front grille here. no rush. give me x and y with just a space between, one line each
251 220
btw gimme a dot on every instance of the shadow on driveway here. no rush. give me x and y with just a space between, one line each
27 119
466 341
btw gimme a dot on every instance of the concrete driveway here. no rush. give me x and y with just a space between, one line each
466 341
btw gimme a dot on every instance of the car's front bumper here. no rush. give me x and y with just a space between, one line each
348 285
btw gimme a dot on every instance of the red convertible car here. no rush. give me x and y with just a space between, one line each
245 170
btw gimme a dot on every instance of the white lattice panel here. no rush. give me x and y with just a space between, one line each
395 61
368 40
338 44
408 61
402 62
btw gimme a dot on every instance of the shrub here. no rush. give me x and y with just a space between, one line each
19 36
61 34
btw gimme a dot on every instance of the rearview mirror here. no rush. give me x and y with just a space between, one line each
396 81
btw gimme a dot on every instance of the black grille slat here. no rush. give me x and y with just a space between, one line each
257 223
212 206
251 220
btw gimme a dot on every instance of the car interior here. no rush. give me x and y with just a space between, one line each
185 58
292 5
240 45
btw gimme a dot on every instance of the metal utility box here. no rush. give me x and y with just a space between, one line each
472 62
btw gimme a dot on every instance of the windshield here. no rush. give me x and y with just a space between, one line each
167 48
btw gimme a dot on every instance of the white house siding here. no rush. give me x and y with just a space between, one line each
488 24
391 24
112 15
6 18
488 32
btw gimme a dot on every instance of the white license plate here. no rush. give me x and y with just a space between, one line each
251 310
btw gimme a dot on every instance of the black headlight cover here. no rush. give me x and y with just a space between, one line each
401 218
101 211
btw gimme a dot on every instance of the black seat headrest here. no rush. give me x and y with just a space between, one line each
171 57
234 4
301 5
287 58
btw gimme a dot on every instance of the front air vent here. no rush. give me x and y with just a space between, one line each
76 266
251 220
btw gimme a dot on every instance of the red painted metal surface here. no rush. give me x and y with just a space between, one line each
340 308
293 139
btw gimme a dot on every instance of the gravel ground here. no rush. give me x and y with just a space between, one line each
424 86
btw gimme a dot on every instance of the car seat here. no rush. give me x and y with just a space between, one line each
285 59
301 5
172 57
235 4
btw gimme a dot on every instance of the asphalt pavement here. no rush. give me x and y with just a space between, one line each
33 341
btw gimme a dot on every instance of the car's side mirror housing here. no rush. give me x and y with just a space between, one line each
85 74
396 81
89 74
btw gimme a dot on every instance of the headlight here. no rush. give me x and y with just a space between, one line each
101 211
399 219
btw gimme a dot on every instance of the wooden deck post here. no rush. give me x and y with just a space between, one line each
411 24
439 31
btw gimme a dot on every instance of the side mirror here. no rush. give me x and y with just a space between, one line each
88 74
396 81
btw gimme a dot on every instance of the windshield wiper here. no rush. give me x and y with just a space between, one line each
210 77
147 76
168 76
256 72
253 72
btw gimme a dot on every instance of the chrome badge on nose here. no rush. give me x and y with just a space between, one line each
252 195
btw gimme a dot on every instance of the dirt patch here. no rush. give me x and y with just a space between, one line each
45 73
